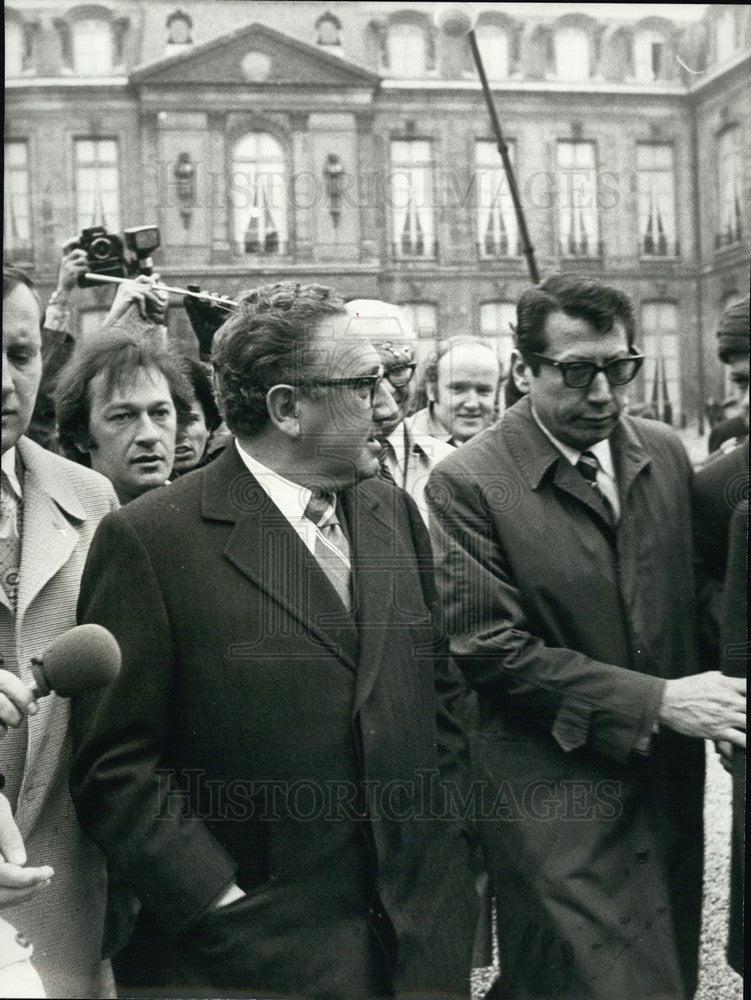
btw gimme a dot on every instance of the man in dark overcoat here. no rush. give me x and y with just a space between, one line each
563 547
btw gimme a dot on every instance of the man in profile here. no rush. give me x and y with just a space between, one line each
258 772
564 557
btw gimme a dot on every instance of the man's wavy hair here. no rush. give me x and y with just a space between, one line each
267 342
13 277
118 358
577 296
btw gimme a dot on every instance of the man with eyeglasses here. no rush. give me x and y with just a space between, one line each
266 774
407 455
563 547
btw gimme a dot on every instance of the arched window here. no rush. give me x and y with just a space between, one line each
407 49
93 49
649 56
571 53
662 366
14 44
492 41
258 189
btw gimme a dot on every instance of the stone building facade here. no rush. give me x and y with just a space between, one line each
350 144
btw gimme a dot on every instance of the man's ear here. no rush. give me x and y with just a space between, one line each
283 406
519 372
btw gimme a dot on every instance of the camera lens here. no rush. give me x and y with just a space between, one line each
100 249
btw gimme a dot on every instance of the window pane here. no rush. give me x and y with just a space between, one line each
412 199
423 318
16 206
97 184
648 55
572 54
258 189
13 49
493 44
726 40
656 194
577 199
661 371
92 47
496 220
407 50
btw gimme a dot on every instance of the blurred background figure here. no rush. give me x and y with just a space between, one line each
408 455
460 383
192 442
119 404
733 351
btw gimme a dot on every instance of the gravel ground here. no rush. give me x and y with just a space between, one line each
717 981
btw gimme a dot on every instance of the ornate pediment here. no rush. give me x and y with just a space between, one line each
255 54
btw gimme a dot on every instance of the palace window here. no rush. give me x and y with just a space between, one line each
495 324
649 56
258 191
93 46
730 199
412 199
578 229
492 40
657 236
662 367
497 234
97 184
16 200
407 49
571 54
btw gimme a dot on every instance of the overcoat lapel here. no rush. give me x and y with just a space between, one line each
371 545
52 515
265 548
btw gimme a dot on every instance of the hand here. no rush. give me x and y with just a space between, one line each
16 701
151 302
72 266
709 706
725 750
17 883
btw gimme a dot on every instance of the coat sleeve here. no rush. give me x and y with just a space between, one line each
126 798
611 708
450 687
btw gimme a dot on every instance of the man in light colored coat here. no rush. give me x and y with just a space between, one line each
51 508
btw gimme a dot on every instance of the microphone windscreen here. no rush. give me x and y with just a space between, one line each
82 659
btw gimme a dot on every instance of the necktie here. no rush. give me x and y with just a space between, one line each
385 472
10 539
331 546
587 466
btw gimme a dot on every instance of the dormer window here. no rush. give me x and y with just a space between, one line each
407 49
179 32
572 54
727 42
328 30
492 40
93 49
649 56
14 46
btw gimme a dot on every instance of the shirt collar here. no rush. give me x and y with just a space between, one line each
9 465
601 450
289 497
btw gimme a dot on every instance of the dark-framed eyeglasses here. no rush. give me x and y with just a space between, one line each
400 375
580 374
365 387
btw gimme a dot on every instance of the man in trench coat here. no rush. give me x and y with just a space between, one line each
266 771
563 547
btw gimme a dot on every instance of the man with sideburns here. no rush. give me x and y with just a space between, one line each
564 559
266 771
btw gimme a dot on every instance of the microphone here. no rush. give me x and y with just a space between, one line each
82 659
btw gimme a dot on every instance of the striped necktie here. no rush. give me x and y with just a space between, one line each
588 466
331 546
10 539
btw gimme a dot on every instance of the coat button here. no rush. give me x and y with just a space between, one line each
22 941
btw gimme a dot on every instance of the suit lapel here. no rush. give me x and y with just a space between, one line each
373 557
265 548
629 457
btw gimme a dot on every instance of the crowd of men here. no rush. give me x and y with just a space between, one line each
364 642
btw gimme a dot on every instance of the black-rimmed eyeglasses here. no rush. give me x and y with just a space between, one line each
365 386
580 374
